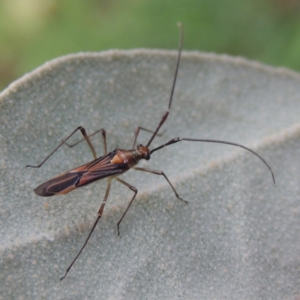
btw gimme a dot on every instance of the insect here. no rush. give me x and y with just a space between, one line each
113 164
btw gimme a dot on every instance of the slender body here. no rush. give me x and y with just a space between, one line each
113 164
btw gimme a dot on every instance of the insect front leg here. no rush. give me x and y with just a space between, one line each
100 212
103 133
135 192
137 131
156 172
82 130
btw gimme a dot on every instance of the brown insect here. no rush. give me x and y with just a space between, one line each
111 165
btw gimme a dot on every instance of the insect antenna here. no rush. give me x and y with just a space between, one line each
165 116
179 139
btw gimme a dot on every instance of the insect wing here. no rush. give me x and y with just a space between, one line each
61 184
102 170
95 170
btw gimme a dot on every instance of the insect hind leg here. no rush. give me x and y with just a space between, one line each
83 132
100 212
103 133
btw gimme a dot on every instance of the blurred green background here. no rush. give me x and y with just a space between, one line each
34 31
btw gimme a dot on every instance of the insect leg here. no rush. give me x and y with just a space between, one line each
94 226
135 192
163 174
145 129
63 141
103 133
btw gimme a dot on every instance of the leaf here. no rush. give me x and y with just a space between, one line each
238 237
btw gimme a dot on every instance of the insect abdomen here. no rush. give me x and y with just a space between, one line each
62 184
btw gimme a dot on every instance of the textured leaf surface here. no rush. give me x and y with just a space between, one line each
238 238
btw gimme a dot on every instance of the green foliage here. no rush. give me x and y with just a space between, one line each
32 32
